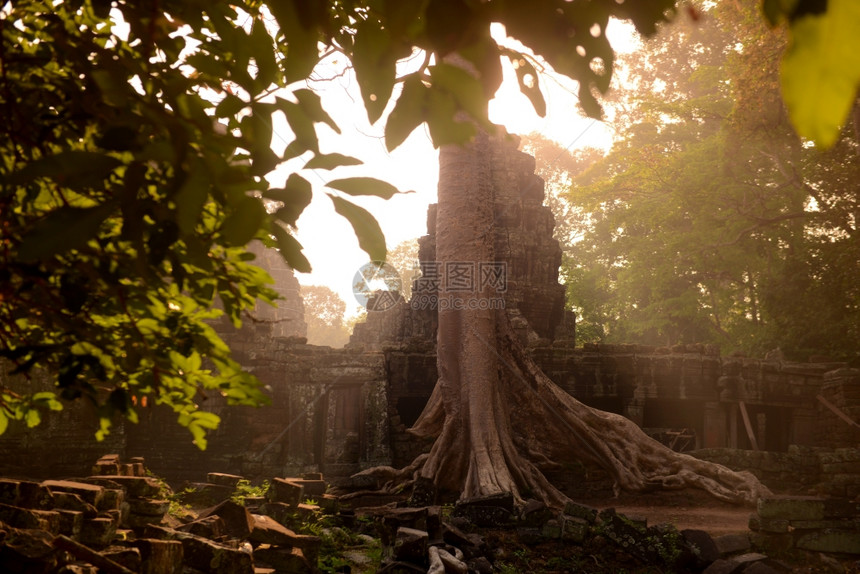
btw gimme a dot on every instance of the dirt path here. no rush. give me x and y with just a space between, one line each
684 509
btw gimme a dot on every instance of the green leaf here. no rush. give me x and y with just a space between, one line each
331 161
264 54
365 186
198 423
191 198
367 230
243 222
229 106
375 67
257 128
408 112
466 89
302 126
302 53
311 104
296 195
47 399
113 89
290 249
524 70
821 71
62 230
32 418
4 421
444 129
207 64
74 169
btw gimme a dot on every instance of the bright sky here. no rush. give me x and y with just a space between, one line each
328 239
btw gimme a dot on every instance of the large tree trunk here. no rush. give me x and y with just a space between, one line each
498 421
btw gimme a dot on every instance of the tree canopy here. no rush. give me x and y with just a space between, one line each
137 138
711 221
324 315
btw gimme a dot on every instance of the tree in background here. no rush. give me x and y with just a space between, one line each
710 220
324 315
403 257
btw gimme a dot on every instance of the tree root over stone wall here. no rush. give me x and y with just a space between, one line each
504 435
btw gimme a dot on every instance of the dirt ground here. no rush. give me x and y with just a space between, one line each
683 509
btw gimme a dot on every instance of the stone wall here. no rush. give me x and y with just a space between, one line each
688 388
327 414
802 469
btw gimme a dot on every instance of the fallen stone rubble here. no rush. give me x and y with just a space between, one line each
419 539
117 521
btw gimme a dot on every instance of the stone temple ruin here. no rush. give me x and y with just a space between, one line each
338 411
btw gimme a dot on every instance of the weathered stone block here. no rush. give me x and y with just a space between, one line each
211 527
843 524
134 486
221 479
70 522
701 545
159 556
771 543
34 495
583 511
551 529
283 513
285 491
72 501
125 556
109 464
732 543
312 488
97 532
574 529
328 503
723 566
841 508
535 513
831 540
138 521
490 511
410 545
47 520
112 500
101 468
211 557
148 507
206 494
776 525
394 518
237 520
88 492
290 560
27 551
791 507
266 530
